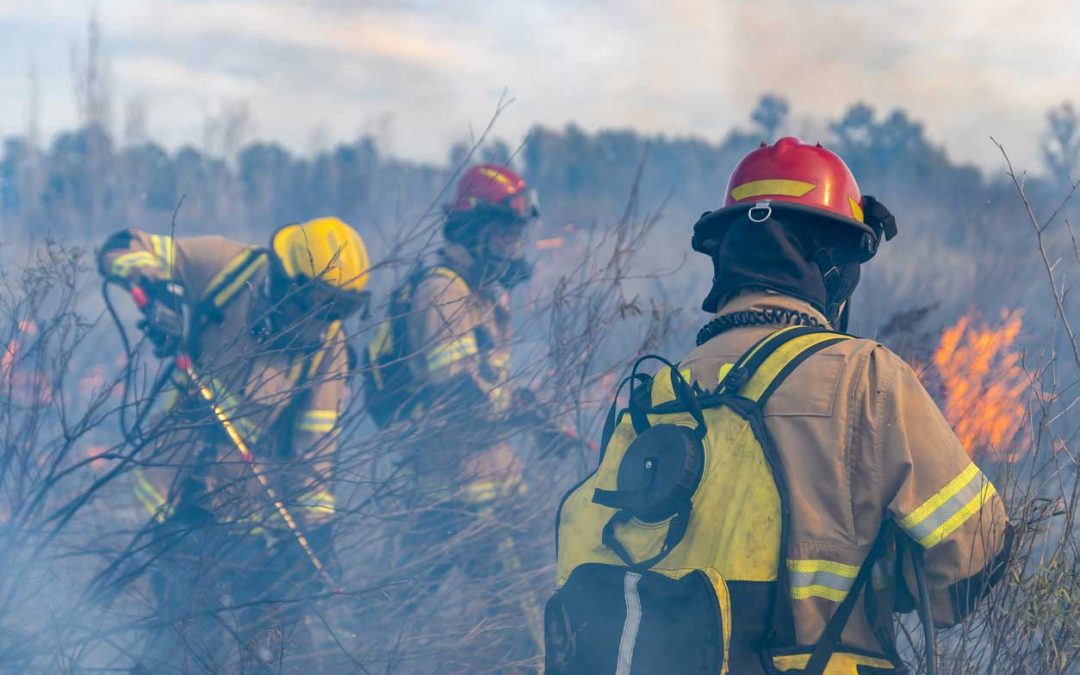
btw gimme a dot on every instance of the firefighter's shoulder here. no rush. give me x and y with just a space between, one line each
439 285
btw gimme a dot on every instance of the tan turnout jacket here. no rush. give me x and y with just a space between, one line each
283 388
859 438
458 335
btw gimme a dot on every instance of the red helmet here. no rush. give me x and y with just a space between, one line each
492 190
789 176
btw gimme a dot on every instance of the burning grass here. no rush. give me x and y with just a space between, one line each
982 384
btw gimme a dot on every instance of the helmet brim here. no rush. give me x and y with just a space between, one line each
711 227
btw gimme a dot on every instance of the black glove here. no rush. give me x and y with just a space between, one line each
163 318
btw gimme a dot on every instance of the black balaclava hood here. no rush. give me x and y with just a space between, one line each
787 254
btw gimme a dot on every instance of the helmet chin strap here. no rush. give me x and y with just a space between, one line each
840 282
845 314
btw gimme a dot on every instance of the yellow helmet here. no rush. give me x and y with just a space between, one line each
324 249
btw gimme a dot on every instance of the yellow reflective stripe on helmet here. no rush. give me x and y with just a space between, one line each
856 209
126 262
776 187
165 249
451 352
318 421
938 517
839 662
826 579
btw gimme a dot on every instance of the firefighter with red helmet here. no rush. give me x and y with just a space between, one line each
436 382
442 352
768 503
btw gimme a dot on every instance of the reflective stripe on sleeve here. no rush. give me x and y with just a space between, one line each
821 579
151 498
165 249
123 264
941 515
318 421
451 352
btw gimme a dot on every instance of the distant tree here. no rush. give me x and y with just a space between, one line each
497 151
1061 141
854 132
92 78
769 115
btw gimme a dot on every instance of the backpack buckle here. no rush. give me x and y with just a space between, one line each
734 380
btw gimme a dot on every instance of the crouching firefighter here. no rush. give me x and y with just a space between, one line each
751 500
239 470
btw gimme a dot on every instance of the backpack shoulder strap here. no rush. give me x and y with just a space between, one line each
834 629
752 380
401 300
444 272
765 366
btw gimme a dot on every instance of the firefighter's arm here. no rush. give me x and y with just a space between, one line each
316 432
937 496
447 357
131 255
170 272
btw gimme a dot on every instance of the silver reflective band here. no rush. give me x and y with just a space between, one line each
632 623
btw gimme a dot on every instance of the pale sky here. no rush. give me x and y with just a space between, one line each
421 73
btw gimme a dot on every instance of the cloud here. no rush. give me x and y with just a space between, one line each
967 69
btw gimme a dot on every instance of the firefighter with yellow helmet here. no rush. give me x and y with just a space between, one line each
238 474
768 503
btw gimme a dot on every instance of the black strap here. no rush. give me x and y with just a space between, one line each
830 637
676 531
207 309
754 357
611 421
792 365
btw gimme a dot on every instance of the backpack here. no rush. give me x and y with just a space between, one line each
652 556
391 391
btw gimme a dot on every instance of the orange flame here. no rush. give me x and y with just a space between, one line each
550 244
984 386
